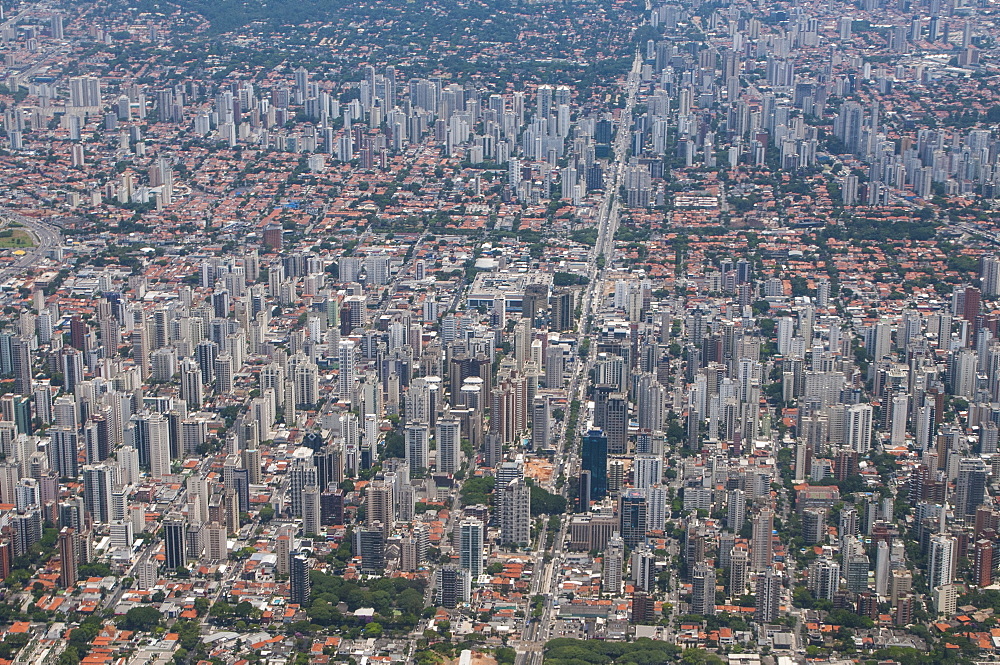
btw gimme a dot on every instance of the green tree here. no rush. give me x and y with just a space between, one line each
143 618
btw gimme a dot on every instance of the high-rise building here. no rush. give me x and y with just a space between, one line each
153 436
561 304
643 608
453 586
64 451
614 563
858 428
380 506
644 569
989 275
174 528
647 470
369 544
299 583
813 525
739 568
84 91
703 589
632 512
582 502
540 423
768 595
67 557
857 569
970 487
736 510
20 354
617 424
449 444
983 563
417 447
471 534
656 508
311 522
848 525
594 459
347 356
882 569
97 484
192 390
305 384
824 578
72 368
941 560
216 546
762 546
515 518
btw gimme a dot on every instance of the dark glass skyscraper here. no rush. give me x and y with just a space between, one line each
173 541
633 517
595 460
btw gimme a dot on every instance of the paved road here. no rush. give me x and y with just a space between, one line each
47 236
536 633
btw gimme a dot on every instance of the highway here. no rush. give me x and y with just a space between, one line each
545 581
46 237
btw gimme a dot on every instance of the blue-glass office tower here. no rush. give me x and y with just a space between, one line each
595 460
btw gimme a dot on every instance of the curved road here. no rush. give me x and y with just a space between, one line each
46 237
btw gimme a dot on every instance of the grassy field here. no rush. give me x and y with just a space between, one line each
15 239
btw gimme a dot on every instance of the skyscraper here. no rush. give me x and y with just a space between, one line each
739 567
768 595
647 470
97 481
633 517
515 518
453 586
882 569
941 560
369 544
824 578
20 352
969 487
614 562
173 541
594 458
540 423
762 547
858 428
471 547
983 563
703 589
617 424
380 506
417 447
192 390
64 452
449 444
311 522
299 583
67 558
